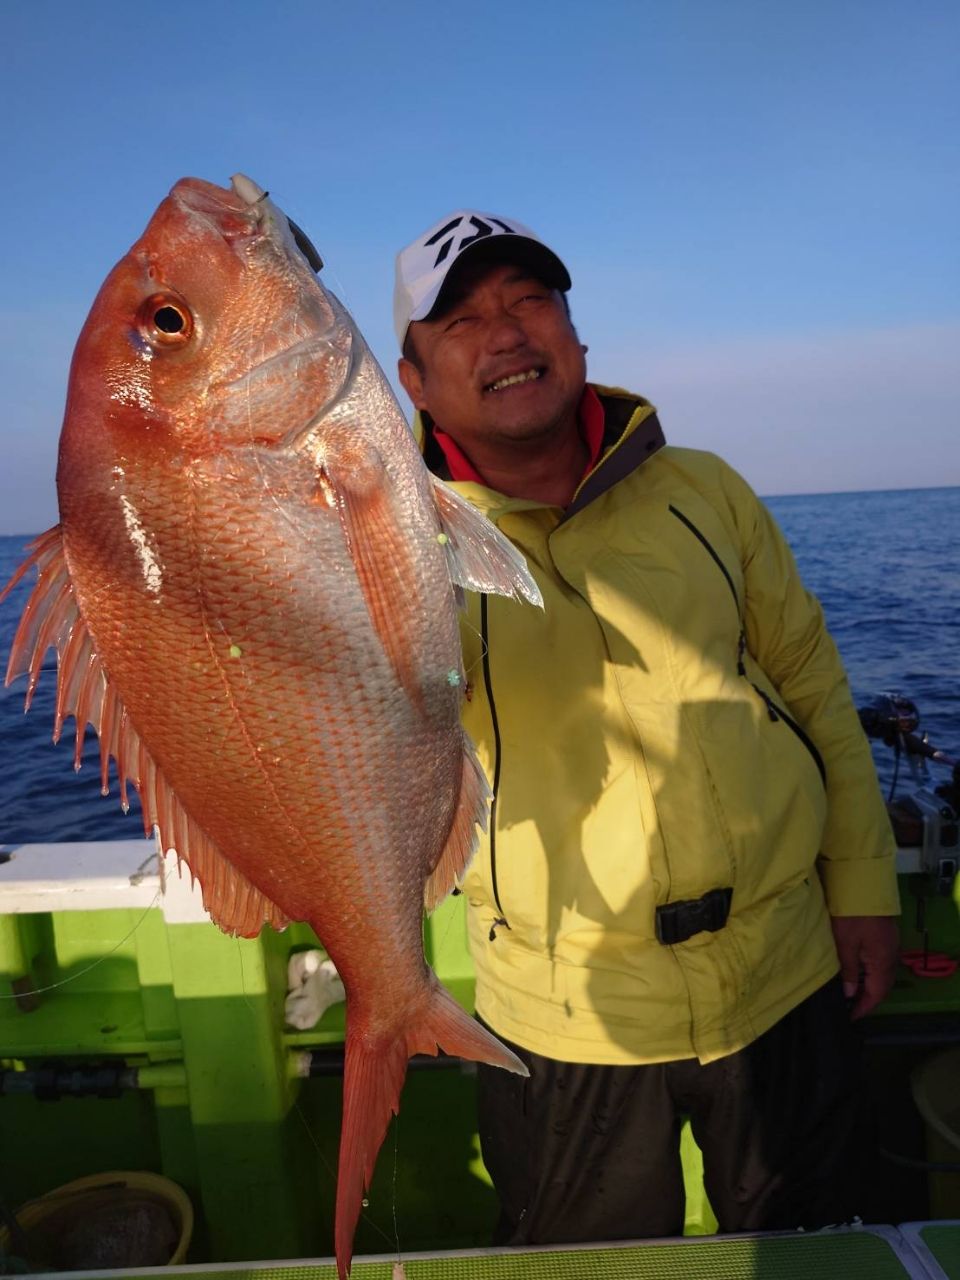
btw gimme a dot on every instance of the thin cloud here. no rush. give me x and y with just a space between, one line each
819 413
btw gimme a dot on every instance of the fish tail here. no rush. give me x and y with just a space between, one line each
373 1077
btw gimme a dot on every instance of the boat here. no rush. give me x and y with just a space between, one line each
135 1036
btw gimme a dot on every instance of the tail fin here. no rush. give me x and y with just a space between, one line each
373 1077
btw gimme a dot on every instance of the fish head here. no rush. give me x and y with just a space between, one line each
212 332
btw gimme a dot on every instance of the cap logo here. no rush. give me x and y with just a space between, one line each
482 228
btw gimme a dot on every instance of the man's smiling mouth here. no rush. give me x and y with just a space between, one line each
514 379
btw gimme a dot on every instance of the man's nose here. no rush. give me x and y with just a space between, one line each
505 333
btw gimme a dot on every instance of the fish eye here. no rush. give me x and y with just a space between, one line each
165 321
170 320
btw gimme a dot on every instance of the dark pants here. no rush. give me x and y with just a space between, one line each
581 1153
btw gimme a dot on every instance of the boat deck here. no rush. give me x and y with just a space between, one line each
135 1036
925 1251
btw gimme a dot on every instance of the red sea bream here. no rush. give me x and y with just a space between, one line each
253 594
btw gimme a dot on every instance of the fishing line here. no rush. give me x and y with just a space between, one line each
328 1168
243 977
296 1102
396 1156
484 647
39 991
370 1221
339 290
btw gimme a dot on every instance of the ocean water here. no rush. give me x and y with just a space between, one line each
885 566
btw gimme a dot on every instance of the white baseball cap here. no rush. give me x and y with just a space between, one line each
424 267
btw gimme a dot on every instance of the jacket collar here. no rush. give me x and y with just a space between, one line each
632 435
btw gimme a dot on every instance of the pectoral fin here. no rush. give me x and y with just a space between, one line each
355 481
480 557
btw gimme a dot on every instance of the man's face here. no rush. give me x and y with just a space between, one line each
502 364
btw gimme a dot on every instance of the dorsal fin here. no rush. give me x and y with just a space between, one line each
51 618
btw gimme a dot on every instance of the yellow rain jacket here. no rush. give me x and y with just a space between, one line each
676 720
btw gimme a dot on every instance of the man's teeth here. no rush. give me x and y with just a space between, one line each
531 375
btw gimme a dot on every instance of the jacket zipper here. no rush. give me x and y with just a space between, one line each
501 919
774 710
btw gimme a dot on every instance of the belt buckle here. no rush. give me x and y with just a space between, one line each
678 921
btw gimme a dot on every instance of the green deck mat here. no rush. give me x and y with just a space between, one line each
853 1257
944 1243
847 1256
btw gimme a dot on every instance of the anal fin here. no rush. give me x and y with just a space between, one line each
470 816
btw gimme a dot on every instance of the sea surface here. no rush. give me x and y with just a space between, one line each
885 565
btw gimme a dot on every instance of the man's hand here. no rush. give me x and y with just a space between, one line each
868 947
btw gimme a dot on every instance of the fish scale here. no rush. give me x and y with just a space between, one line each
253 593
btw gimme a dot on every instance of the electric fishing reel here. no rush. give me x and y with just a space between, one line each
928 817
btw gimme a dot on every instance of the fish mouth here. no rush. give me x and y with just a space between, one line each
244 210
242 196
253 194
219 204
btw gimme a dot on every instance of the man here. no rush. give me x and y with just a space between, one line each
687 829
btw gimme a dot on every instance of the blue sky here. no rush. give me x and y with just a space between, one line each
758 202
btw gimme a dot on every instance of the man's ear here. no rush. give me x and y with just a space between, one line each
412 381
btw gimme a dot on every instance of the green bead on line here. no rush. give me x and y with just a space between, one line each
453 677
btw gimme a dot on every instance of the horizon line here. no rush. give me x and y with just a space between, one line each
805 493
840 493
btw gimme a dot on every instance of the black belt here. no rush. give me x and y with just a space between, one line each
677 921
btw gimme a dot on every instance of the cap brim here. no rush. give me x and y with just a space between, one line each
542 262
